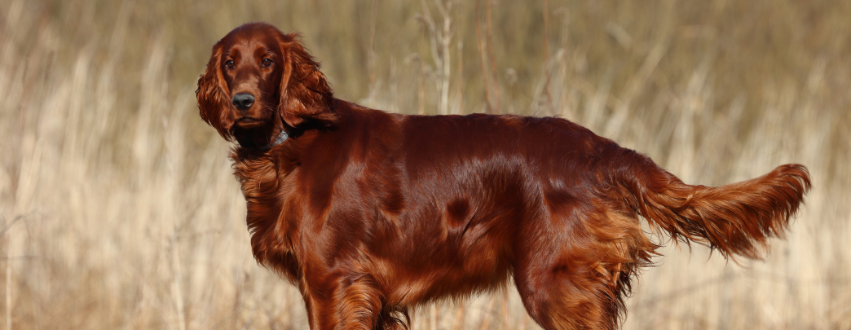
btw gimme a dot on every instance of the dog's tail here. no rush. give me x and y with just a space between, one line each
737 218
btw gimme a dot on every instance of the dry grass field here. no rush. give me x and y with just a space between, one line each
118 209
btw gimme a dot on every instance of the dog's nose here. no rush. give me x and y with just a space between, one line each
243 101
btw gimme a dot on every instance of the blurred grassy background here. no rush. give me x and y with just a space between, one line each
119 210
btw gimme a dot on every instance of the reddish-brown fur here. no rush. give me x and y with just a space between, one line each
370 213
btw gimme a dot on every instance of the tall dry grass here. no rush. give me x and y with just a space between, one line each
119 210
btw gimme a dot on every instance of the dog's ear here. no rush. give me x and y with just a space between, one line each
212 95
305 94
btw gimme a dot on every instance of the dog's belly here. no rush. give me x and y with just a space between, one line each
473 258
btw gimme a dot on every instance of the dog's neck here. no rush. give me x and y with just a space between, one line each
283 136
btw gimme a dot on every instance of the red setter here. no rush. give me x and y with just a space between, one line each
370 213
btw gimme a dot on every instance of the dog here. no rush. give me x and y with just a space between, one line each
370 213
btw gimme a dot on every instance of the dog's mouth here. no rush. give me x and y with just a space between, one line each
251 132
248 122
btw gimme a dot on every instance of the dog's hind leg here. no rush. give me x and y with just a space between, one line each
574 272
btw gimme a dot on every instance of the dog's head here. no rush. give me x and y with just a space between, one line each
260 81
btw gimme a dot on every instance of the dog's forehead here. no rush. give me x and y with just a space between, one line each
256 46
249 48
252 36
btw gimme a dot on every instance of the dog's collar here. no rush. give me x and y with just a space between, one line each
278 140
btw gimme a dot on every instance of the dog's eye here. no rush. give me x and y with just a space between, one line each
267 62
229 64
